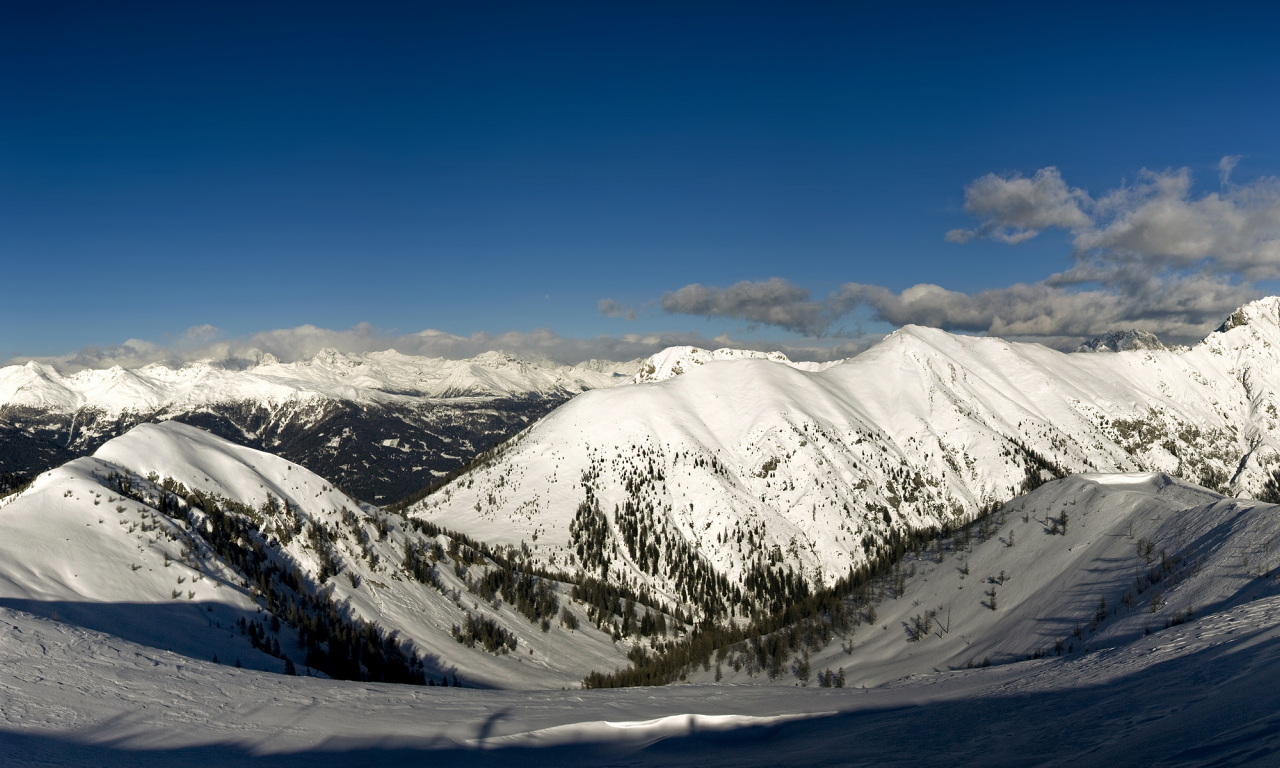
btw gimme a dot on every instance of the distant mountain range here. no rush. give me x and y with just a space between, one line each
381 424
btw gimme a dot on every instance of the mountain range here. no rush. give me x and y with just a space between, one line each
380 424
700 485
941 518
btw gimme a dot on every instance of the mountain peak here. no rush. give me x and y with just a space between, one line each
1265 310
673 361
1122 341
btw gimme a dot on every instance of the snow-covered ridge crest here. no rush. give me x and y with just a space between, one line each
748 461
674 361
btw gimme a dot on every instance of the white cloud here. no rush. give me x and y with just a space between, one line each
1159 223
1152 255
1225 166
201 333
1013 209
611 308
1179 309
775 302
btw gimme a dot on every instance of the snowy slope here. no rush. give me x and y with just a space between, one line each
1200 694
1157 550
740 464
73 545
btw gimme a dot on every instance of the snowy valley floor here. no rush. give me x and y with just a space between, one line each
1202 693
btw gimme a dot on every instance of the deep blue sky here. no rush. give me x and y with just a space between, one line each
472 166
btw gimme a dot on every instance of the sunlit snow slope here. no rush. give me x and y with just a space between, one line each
743 465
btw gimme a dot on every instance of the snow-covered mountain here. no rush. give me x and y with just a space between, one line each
374 378
674 361
737 469
1122 341
380 424
1152 620
180 540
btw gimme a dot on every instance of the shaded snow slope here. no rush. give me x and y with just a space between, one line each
145 565
746 464
1199 694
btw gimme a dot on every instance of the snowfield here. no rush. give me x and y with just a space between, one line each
1199 694
1177 667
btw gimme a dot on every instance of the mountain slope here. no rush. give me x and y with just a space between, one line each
1139 552
690 486
171 536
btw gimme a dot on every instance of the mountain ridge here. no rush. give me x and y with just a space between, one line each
739 466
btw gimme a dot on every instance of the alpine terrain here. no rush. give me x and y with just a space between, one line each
765 561
742 480
380 424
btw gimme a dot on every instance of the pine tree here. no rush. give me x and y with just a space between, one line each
1271 488
840 678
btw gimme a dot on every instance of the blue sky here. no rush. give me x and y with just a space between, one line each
500 168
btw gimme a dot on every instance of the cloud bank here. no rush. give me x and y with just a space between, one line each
1151 255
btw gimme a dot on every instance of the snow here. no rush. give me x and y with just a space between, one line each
102 662
1054 583
71 547
674 361
1197 694
920 431
377 377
